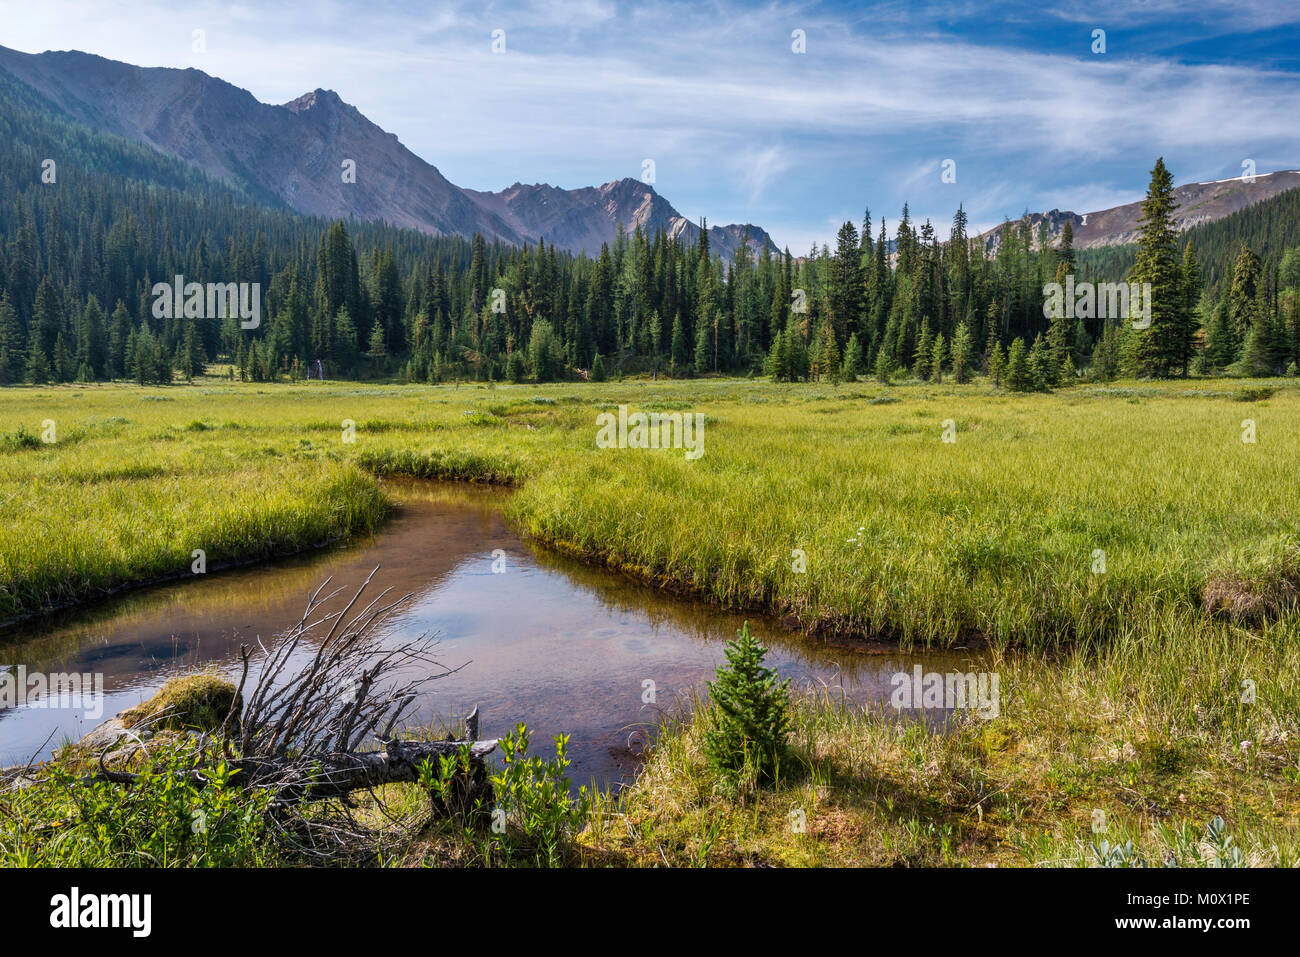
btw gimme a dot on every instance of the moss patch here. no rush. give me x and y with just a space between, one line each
192 703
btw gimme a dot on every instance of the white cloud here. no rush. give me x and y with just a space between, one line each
1258 15
715 95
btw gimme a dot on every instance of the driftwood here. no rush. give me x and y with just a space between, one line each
303 729
341 697
322 776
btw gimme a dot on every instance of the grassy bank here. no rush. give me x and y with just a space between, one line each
1086 536
1144 744
1002 533
136 482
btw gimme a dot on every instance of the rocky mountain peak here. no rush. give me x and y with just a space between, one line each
318 98
291 154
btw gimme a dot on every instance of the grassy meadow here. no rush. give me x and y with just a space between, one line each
1118 554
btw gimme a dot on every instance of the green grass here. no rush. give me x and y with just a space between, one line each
1149 732
1120 691
905 536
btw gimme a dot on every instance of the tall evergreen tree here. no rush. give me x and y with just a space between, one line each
1243 296
1190 281
38 366
924 352
1162 346
12 342
846 283
1066 250
1221 338
680 355
962 348
938 356
703 347
995 360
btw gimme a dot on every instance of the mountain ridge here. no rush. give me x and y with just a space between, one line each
292 154
1198 203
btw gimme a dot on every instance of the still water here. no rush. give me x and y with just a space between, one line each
537 638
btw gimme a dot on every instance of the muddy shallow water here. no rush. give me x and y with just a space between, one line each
551 642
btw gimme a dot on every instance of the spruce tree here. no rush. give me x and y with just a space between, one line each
962 347
1221 338
680 356
656 332
846 282
516 369
884 367
1255 359
829 358
62 365
1018 377
190 355
119 335
797 353
752 723
995 360
143 356
1162 347
703 348
1243 300
543 353
92 349
1040 365
1129 345
924 352
1066 250
38 366
162 364
778 359
12 341
1105 354
1191 288
47 317
938 356
1273 328
1082 344
853 363
1058 346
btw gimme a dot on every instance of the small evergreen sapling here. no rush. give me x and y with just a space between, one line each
753 722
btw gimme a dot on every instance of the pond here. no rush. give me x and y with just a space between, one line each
559 645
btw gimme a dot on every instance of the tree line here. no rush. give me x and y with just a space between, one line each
80 258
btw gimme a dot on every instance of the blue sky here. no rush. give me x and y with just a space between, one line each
740 127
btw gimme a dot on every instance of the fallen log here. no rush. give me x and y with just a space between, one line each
300 734
338 774
320 776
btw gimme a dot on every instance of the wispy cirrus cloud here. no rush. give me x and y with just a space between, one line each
759 168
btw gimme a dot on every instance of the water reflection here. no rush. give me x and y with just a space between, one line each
559 645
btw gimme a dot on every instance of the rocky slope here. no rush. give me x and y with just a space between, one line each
1197 203
585 218
293 155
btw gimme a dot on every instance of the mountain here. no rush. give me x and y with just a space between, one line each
1198 203
292 155
577 219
